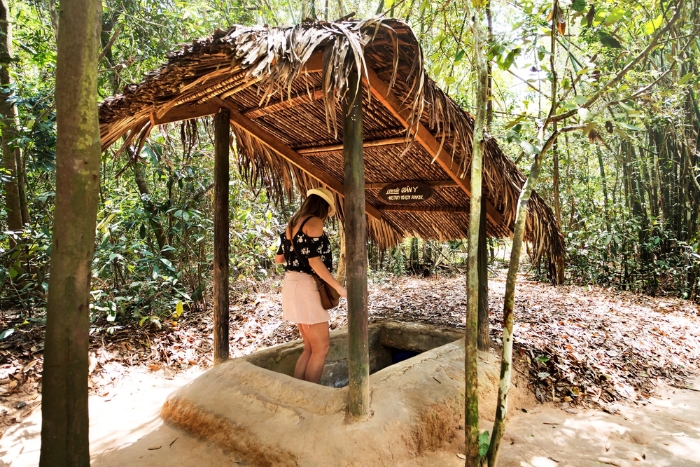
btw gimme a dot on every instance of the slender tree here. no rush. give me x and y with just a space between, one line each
64 431
11 155
473 457
521 214
484 341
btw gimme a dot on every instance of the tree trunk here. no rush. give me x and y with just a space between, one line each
150 208
499 424
559 279
413 255
489 71
559 260
473 458
356 238
555 180
108 22
484 341
557 207
64 430
604 182
222 130
54 18
11 155
508 305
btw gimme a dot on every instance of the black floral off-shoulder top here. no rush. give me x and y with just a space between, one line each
309 247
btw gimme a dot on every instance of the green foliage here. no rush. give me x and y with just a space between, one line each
608 40
484 440
154 247
625 253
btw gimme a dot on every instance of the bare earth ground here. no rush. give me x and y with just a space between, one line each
664 433
630 355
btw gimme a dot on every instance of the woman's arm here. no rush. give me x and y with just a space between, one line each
279 256
323 272
314 228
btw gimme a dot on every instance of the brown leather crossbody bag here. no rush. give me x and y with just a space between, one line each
329 296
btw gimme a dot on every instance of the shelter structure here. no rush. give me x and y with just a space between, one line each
346 105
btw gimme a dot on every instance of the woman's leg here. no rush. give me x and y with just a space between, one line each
319 338
300 368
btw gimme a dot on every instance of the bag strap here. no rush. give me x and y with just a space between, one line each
298 253
302 226
291 240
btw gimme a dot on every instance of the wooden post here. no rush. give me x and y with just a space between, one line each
222 128
356 248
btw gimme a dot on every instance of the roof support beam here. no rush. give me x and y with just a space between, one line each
434 184
185 112
365 144
383 94
269 140
301 99
315 63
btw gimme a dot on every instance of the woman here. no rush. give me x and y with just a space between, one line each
305 249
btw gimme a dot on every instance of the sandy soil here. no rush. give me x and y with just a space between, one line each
663 432
125 430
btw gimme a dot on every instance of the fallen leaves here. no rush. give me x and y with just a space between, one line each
582 346
601 346
29 366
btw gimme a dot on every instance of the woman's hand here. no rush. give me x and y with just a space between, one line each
342 291
322 272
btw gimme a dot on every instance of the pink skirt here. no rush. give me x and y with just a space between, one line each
301 302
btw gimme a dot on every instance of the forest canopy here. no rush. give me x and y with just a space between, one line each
625 188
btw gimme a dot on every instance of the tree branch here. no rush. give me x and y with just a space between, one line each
621 74
529 84
110 42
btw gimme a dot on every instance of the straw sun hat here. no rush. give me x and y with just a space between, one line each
326 194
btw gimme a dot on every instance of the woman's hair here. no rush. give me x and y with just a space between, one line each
314 206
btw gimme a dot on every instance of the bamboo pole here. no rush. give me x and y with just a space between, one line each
367 144
356 247
222 128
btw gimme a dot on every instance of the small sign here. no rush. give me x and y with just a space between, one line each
406 192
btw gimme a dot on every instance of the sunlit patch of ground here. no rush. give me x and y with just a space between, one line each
584 348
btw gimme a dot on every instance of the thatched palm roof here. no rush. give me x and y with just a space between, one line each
285 88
